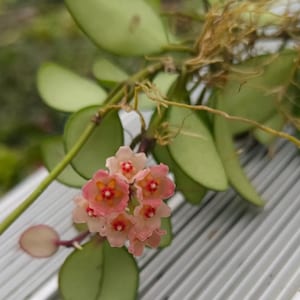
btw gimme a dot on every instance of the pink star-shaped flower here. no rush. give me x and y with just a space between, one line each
106 193
117 229
148 218
152 184
126 163
82 213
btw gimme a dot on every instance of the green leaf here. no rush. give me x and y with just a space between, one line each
167 238
120 275
122 27
276 122
53 152
81 275
99 272
108 73
194 150
234 171
155 4
64 90
163 81
192 191
255 87
103 143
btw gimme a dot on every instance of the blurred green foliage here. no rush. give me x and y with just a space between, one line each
32 32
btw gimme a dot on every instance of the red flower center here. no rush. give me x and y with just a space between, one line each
152 186
149 212
107 193
119 225
90 212
126 167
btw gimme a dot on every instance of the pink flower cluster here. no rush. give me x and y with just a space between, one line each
126 202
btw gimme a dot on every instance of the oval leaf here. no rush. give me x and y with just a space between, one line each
108 73
193 192
194 150
120 275
235 173
257 84
81 275
99 272
53 152
103 143
122 27
64 90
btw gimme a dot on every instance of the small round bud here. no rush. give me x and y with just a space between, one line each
39 241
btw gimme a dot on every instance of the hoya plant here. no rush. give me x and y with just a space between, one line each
206 72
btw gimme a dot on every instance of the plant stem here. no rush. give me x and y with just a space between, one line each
52 175
111 101
72 243
178 48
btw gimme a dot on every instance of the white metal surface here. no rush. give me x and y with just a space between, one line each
223 249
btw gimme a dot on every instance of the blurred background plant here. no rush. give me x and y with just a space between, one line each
32 32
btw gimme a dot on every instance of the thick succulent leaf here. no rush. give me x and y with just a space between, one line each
234 171
276 122
254 88
194 150
155 4
108 73
53 152
166 239
64 90
120 275
99 272
103 143
122 27
81 275
162 81
192 191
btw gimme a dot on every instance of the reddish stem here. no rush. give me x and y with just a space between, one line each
70 243
146 144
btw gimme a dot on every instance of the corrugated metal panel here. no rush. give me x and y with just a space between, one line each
223 249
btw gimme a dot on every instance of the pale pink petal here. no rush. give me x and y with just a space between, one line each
117 239
160 170
117 229
89 190
100 175
79 215
95 224
136 247
82 214
154 240
126 163
163 211
80 211
39 241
